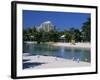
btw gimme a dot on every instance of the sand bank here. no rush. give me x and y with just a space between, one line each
77 45
41 62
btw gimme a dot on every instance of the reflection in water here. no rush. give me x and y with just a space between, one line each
63 52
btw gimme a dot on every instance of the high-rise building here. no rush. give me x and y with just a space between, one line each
46 26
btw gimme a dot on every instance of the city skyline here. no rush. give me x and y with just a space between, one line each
62 20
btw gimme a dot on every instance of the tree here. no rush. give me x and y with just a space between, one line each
29 33
72 33
77 35
53 36
26 35
86 30
68 36
38 37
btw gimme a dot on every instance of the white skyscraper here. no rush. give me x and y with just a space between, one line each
46 26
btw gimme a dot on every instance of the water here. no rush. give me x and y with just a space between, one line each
62 52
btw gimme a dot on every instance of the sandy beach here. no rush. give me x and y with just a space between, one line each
70 45
77 45
40 62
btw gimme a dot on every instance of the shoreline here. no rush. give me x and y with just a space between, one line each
42 62
85 45
70 45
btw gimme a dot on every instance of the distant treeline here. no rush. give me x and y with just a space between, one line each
83 35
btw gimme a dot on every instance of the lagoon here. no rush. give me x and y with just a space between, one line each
58 51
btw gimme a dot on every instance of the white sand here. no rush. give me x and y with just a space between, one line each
77 45
52 62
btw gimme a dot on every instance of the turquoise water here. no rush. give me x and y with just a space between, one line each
62 52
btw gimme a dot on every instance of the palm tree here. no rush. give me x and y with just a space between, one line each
86 29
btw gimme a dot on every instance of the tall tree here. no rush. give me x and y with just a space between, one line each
77 34
86 30
67 36
72 32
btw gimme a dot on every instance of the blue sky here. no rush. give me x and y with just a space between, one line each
62 20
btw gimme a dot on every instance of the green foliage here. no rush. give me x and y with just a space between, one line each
31 34
86 30
77 34
68 36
